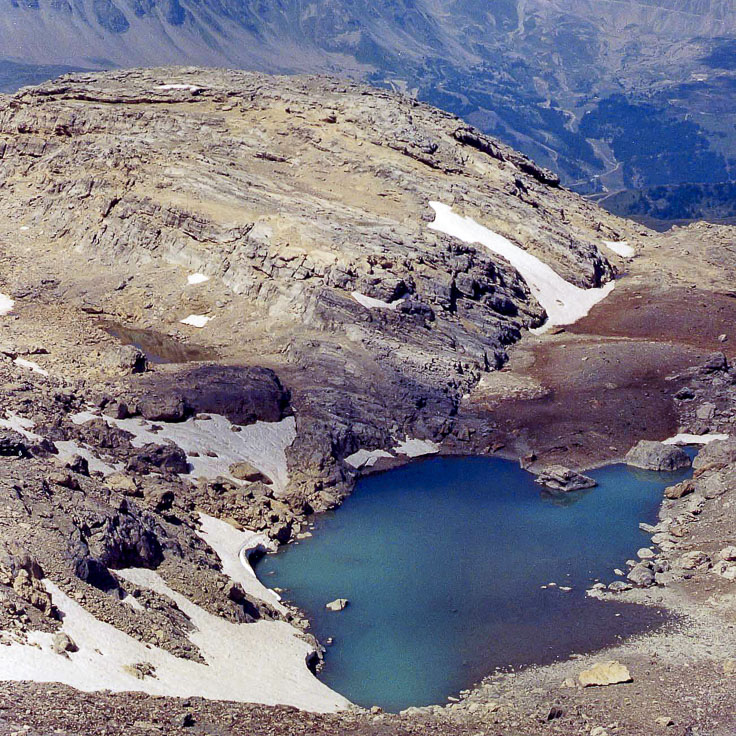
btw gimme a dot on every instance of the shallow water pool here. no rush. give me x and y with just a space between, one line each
447 564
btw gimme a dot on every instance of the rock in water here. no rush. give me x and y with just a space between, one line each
560 478
650 455
339 604
605 673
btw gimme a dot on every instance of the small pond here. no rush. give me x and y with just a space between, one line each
447 565
158 347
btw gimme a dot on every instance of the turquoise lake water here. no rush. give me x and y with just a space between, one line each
443 562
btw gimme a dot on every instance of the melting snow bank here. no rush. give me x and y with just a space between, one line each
6 304
187 87
564 302
621 248
263 662
197 278
262 444
370 303
412 448
694 439
234 549
31 366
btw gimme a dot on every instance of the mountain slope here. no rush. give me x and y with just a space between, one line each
527 71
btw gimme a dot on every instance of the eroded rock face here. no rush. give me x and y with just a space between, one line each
650 455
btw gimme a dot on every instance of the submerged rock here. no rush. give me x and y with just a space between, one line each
650 455
560 478
605 673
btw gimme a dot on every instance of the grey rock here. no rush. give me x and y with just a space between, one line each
650 455
641 576
560 478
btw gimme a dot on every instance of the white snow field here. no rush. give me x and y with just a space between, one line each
620 247
564 302
263 662
197 278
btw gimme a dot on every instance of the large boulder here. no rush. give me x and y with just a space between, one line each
650 455
123 360
560 478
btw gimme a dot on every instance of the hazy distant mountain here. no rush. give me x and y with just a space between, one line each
614 94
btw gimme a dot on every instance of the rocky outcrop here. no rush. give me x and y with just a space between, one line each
564 480
650 455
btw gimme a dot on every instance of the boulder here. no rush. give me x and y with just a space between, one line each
560 478
62 643
12 444
123 360
641 575
680 489
610 672
728 554
245 471
693 560
339 604
164 458
650 455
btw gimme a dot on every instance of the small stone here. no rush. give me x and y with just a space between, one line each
664 721
609 672
598 731
554 713
645 554
729 667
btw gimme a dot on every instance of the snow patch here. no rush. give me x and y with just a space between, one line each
370 303
68 448
31 366
196 320
6 304
262 662
262 444
21 425
417 448
694 439
197 278
234 548
366 458
621 248
564 302
188 87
